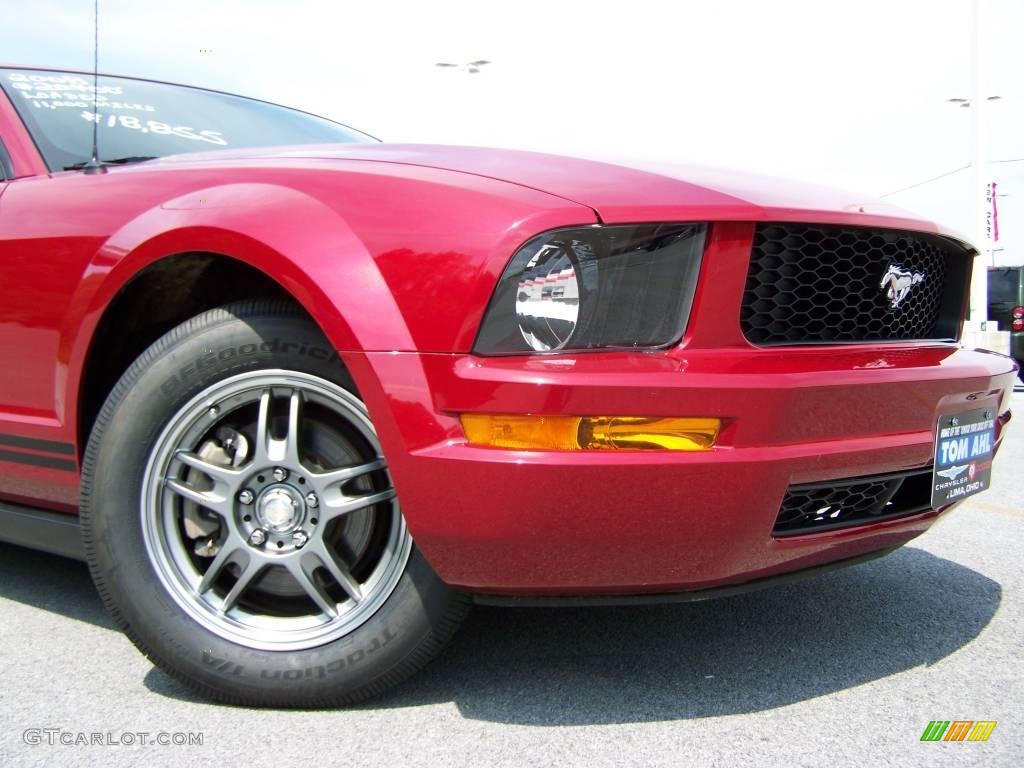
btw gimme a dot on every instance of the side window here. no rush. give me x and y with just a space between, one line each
6 167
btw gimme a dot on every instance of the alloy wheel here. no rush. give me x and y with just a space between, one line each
268 512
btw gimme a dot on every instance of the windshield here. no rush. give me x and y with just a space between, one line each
138 120
1003 285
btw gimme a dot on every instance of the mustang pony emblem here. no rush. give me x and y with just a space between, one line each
953 472
897 282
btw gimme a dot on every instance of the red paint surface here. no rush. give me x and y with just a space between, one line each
395 250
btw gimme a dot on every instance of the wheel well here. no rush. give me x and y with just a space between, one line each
160 297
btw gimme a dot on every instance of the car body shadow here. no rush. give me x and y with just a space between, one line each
580 666
53 583
749 653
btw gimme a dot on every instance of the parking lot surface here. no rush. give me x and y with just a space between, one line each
847 668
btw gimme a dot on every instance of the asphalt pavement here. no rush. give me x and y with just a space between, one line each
845 669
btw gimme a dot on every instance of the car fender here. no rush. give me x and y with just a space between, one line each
318 263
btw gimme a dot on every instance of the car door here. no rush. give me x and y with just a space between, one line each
37 457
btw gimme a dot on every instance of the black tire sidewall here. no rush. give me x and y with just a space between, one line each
399 637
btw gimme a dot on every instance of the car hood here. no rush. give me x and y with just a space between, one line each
622 192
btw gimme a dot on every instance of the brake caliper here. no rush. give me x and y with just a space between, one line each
230 449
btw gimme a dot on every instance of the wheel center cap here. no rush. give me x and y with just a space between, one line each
279 509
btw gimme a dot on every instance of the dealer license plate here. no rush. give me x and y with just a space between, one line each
963 455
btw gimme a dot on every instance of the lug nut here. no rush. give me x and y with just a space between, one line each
280 474
299 539
246 497
312 500
257 537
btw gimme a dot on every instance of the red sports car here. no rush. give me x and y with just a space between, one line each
305 396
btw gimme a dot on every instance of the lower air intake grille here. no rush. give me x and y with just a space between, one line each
824 506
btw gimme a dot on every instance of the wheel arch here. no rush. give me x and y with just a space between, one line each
156 298
288 245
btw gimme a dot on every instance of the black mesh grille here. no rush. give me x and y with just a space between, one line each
824 506
811 284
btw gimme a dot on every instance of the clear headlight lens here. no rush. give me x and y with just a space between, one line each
595 287
548 299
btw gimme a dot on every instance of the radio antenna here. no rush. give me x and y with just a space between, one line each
94 165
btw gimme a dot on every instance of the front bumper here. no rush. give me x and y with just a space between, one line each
551 523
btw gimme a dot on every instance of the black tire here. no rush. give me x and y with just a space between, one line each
409 628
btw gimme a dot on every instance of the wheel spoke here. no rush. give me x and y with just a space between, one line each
272 450
339 572
343 505
211 499
226 482
328 486
226 479
252 568
261 454
303 574
324 481
229 552
291 439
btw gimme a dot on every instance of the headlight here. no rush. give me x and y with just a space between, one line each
548 299
595 288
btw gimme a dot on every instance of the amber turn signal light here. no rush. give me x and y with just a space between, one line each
590 433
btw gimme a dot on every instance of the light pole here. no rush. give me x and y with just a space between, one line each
979 140
471 67
976 331
980 205
979 163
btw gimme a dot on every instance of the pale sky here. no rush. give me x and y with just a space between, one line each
847 94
